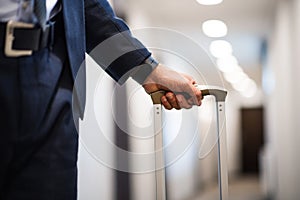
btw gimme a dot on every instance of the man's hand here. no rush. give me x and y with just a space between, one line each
180 89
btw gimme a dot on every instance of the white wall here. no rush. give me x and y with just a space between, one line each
282 103
95 178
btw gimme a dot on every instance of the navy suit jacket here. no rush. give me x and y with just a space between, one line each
88 24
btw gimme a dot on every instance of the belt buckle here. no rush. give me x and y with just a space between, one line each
8 50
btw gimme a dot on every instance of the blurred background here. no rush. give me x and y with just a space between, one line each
252 51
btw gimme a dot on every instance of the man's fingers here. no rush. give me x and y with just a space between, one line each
171 98
190 89
195 95
165 103
178 101
198 95
183 102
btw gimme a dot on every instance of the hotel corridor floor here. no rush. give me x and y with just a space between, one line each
244 188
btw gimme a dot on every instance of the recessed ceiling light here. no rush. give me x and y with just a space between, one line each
235 76
228 64
220 48
214 28
250 91
245 85
209 2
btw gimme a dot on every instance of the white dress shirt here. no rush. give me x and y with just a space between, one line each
9 8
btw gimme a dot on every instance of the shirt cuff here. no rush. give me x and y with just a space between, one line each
144 70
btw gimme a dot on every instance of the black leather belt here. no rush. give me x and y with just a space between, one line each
21 39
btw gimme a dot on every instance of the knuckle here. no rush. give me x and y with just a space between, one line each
169 95
164 99
180 101
172 100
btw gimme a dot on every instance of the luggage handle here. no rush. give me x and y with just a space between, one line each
219 94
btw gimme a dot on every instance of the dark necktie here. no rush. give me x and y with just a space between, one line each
40 12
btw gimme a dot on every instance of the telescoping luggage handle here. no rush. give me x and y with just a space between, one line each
220 96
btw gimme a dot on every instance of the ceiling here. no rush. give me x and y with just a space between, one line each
249 15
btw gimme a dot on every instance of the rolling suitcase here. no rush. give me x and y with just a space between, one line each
160 178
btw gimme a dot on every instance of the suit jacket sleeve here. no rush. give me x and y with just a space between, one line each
109 41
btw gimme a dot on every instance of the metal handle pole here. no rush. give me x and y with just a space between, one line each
160 177
159 154
220 96
222 151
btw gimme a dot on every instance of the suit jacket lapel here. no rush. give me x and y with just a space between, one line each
73 13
